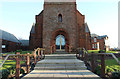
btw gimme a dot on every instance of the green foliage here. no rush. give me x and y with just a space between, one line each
111 66
98 70
97 51
9 68
10 63
108 69
22 71
111 62
5 73
116 75
12 70
19 51
25 52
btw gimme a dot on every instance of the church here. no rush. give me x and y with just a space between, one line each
60 22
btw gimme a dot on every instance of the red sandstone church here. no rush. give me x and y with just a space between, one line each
56 20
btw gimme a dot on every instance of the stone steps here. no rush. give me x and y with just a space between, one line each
60 56
60 52
60 62
61 66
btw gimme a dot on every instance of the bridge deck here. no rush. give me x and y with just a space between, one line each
61 66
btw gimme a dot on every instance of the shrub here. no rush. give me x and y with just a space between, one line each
22 71
101 51
5 73
18 51
98 70
116 75
12 70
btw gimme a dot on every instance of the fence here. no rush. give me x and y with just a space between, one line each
34 57
93 60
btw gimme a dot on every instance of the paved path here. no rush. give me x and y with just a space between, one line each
61 66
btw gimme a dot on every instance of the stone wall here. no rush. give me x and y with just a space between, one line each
51 24
47 26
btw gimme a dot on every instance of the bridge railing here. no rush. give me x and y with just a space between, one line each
93 60
29 58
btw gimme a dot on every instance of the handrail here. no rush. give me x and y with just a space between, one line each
85 50
105 54
102 57
115 58
111 55
6 59
16 55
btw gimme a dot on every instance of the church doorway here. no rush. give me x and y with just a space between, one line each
60 43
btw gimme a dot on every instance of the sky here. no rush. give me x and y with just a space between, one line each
17 17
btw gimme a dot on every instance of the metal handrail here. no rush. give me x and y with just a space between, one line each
6 59
105 54
111 55
85 51
16 55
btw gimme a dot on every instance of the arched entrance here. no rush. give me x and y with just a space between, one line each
60 43
55 41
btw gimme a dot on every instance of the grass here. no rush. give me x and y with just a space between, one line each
21 52
111 62
10 63
96 51
111 65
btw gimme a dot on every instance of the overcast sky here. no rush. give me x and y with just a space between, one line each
17 17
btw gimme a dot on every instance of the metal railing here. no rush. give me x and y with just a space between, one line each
38 53
90 58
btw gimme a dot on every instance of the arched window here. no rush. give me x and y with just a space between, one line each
59 18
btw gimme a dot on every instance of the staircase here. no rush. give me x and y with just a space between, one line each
60 66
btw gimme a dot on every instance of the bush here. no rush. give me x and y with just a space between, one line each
5 73
12 70
114 68
98 70
22 71
101 51
116 75
18 51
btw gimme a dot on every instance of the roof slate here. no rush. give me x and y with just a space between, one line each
24 42
98 37
8 36
86 28
33 28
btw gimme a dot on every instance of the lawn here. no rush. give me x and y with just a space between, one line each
111 65
21 52
111 62
10 63
96 51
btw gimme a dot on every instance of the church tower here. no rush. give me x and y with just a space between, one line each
59 18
